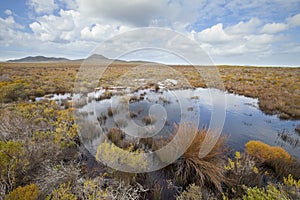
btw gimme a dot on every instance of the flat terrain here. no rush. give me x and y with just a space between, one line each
42 155
278 89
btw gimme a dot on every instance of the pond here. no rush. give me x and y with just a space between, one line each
149 113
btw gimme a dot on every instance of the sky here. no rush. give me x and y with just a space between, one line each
234 32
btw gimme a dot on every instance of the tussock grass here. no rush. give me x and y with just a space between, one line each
207 171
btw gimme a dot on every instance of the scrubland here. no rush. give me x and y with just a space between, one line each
42 156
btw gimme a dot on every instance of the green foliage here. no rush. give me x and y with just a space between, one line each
193 192
66 129
91 190
12 162
241 171
115 156
290 181
63 192
12 92
270 193
28 192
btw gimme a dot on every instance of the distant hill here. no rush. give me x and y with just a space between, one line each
94 58
40 59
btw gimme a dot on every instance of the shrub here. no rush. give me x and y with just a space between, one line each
265 152
193 192
12 92
12 163
116 136
148 120
241 171
115 156
270 193
63 192
274 158
28 192
111 111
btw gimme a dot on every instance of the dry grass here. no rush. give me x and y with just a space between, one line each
207 171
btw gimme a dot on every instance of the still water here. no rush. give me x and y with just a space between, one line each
149 113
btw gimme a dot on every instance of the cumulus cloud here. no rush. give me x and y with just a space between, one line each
42 6
8 12
215 34
56 28
294 21
98 32
219 26
137 12
244 27
274 28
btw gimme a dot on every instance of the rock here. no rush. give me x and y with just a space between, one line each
297 128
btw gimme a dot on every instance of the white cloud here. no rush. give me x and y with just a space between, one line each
274 28
294 21
245 27
97 32
56 28
43 6
215 34
8 12
86 23
137 12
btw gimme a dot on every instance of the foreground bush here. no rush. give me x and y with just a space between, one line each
115 156
265 152
240 172
12 164
274 158
193 192
28 192
269 193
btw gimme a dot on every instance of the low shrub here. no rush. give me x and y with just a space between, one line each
193 192
274 158
271 192
28 192
13 163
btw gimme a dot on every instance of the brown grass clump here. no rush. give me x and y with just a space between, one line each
207 171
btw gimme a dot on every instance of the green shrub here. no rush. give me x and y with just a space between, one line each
270 193
115 156
12 162
12 92
63 192
193 192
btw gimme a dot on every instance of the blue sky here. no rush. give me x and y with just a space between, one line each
249 32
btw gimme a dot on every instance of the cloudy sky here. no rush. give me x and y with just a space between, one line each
248 32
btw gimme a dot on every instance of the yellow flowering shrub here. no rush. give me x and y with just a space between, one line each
28 192
112 155
265 152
